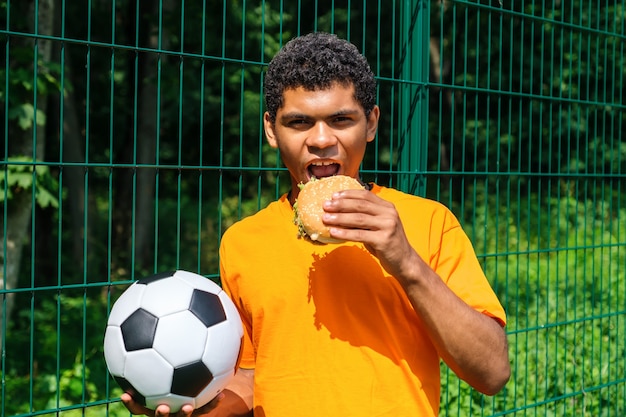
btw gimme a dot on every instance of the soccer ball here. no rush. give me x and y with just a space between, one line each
173 338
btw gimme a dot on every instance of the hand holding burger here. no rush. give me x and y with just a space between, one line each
308 209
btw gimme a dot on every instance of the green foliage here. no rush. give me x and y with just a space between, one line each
21 174
559 274
25 114
558 107
24 84
65 366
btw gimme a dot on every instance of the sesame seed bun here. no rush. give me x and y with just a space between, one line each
308 207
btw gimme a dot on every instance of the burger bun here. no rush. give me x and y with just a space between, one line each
309 210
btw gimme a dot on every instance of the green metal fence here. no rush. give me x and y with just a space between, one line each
132 138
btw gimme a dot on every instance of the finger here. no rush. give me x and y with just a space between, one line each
376 230
353 235
185 411
360 194
361 220
345 202
162 411
133 406
349 220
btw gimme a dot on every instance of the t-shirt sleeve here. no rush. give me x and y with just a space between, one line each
456 263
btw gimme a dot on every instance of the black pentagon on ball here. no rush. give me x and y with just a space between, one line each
207 307
127 387
138 330
189 380
156 277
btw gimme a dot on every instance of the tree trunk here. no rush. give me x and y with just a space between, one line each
74 176
146 141
30 143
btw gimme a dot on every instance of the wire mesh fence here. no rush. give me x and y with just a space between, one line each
132 138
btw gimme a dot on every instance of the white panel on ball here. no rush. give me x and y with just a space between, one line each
198 281
126 304
166 296
180 338
149 371
220 345
114 351
231 311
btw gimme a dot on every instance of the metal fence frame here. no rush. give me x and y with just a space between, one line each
551 237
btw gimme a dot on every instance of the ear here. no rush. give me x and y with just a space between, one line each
270 131
372 123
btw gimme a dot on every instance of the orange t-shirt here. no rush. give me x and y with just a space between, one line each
328 332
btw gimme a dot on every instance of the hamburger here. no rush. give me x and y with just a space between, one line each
308 209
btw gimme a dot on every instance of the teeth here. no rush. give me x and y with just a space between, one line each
322 163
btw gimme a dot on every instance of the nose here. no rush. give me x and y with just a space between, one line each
321 136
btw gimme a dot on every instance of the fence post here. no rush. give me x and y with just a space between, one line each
413 112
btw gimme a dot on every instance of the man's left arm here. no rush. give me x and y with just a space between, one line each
472 344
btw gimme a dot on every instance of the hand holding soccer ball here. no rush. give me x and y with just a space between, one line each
164 411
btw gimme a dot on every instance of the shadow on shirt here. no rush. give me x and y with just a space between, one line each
358 302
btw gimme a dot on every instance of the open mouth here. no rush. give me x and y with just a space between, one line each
323 169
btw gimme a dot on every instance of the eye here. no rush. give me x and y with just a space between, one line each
342 121
298 123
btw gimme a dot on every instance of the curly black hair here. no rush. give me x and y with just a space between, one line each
314 62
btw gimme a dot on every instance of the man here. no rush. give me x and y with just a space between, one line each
356 328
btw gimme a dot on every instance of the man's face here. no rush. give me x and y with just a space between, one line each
321 133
